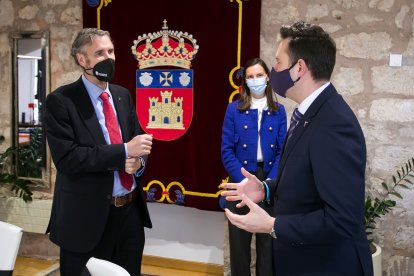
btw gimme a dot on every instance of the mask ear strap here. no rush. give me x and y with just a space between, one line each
291 68
293 64
85 70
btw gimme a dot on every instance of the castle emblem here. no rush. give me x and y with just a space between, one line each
164 96
166 113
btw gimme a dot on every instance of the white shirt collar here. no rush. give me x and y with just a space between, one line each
304 105
259 103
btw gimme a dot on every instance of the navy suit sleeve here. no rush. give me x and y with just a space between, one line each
337 160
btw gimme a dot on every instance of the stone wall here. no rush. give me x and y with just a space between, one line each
366 32
62 19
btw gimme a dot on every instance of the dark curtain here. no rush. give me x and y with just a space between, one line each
194 159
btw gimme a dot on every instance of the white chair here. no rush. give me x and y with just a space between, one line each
10 237
99 267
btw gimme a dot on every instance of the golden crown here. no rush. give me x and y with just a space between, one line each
165 47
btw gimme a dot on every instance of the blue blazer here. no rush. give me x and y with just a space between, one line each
319 194
239 140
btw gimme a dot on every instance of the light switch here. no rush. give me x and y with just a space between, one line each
395 60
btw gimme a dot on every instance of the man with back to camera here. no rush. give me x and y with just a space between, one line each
94 137
318 196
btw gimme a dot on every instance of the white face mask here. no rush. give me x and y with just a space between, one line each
257 86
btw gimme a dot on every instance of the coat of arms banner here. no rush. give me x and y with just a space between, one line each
180 60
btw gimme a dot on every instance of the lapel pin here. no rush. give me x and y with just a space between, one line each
305 123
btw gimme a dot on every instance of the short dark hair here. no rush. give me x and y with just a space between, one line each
85 37
312 44
245 96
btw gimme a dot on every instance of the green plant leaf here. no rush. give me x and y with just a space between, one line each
408 180
19 186
378 206
396 194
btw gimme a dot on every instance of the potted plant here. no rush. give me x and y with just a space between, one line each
18 185
379 205
29 162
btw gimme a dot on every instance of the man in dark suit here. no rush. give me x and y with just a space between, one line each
318 195
94 137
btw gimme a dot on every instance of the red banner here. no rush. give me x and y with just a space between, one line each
185 163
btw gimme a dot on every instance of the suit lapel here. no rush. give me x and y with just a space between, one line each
87 112
304 124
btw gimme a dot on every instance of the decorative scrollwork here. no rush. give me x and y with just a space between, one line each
164 193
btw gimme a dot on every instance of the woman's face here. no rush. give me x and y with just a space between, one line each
256 72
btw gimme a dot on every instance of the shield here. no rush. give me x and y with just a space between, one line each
164 102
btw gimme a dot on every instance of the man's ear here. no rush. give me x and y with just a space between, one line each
302 67
81 59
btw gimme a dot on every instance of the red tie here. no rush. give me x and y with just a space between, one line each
114 135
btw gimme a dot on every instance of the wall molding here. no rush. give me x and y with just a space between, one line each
182 265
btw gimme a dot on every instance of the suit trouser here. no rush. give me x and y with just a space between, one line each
122 243
240 243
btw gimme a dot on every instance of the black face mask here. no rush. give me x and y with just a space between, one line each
103 70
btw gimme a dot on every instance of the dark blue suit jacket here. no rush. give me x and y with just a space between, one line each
319 194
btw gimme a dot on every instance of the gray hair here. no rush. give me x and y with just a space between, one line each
86 37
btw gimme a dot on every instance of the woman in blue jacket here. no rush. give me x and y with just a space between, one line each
253 132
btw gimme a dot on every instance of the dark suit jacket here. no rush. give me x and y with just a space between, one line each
85 164
319 194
